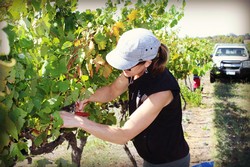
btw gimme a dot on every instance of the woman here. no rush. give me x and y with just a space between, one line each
154 124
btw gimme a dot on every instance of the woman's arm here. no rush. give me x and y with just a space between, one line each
110 92
138 121
106 93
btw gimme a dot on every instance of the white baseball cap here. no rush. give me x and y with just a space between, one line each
134 46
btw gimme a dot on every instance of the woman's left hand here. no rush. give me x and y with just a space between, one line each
70 120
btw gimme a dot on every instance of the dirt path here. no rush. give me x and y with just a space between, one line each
199 134
198 126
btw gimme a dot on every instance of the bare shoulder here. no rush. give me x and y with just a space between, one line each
162 98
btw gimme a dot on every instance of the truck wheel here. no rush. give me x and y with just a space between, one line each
212 78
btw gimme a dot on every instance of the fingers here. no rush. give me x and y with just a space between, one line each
70 120
81 104
64 115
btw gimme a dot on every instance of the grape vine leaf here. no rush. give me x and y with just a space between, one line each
7 124
66 45
101 40
17 8
15 151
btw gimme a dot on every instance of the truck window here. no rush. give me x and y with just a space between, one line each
230 52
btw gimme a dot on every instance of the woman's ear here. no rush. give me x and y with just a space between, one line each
147 63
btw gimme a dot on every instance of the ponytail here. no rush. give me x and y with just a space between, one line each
159 62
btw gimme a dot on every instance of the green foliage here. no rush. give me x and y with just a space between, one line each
188 56
192 98
231 39
248 47
227 39
58 56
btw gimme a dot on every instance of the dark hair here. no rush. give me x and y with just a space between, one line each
159 62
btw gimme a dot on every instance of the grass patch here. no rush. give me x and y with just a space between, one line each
232 122
101 153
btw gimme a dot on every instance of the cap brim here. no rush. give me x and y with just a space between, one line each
114 58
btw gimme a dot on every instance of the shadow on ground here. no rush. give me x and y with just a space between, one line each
233 127
233 80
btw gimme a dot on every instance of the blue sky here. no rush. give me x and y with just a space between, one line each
204 17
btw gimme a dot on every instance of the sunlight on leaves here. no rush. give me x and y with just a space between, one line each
133 15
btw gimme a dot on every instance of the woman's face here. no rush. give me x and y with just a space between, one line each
137 70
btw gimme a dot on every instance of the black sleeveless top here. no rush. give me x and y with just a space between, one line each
163 141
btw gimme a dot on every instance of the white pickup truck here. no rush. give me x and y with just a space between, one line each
230 60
